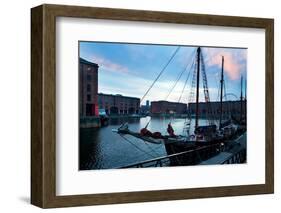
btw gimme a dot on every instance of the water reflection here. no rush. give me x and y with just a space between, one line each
100 148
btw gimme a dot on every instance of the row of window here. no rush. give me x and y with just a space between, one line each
216 112
121 104
89 98
89 88
116 111
106 103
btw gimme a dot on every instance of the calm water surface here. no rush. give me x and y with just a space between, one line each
100 148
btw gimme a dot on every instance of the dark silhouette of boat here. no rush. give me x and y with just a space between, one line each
203 136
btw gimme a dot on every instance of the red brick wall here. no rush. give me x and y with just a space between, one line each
168 107
122 103
88 89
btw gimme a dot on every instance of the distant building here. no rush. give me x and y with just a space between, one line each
118 104
88 88
229 108
159 107
147 103
145 109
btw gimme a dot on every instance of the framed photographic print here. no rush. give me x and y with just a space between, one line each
136 106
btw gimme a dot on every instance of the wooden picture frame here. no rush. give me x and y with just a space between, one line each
43 105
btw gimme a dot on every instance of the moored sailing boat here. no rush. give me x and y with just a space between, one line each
206 135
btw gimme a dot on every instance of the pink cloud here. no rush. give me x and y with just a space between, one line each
109 65
233 61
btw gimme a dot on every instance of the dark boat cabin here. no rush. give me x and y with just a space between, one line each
206 130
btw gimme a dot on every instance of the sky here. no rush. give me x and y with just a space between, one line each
130 70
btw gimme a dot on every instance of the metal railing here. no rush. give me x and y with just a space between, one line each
238 157
190 157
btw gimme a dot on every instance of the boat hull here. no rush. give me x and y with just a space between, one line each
199 150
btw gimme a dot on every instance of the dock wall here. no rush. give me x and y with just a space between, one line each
90 122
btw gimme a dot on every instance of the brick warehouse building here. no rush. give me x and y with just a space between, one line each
229 108
118 104
88 88
159 107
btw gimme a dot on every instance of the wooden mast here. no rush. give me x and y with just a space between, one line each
241 99
245 102
221 81
197 87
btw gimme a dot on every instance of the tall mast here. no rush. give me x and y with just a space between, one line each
221 81
197 87
241 99
245 103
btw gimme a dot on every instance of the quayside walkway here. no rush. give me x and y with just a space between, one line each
235 153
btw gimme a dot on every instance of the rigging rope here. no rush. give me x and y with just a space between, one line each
218 86
163 69
180 75
137 147
185 83
187 121
224 87
209 116
140 156
152 150
158 148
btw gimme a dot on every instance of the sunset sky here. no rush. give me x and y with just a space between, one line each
130 69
